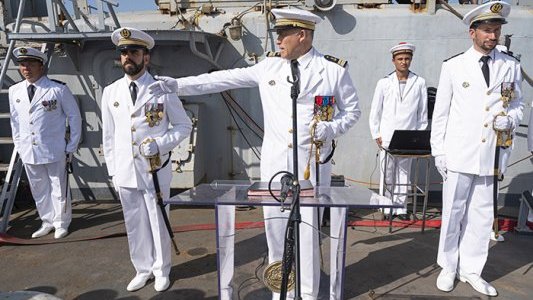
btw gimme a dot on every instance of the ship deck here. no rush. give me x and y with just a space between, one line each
92 262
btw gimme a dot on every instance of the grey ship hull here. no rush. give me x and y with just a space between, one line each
217 150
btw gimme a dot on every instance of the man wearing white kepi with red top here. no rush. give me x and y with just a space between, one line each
479 94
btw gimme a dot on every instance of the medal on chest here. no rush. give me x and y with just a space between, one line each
507 92
154 113
49 105
324 108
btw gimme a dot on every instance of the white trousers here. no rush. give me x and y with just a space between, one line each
48 187
398 170
467 216
148 238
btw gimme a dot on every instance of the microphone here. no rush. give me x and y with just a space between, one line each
286 185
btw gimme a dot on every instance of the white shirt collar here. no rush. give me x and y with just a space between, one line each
36 83
305 59
140 81
477 55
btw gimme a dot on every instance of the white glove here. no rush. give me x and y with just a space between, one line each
502 123
163 85
440 163
323 132
149 149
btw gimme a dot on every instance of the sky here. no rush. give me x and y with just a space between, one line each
133 5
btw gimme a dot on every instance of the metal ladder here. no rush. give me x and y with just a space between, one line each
14 169
9 189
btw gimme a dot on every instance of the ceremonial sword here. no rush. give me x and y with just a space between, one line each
155 166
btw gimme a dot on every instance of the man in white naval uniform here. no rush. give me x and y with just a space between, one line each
40 109
319 76
399 103
135 125
468 111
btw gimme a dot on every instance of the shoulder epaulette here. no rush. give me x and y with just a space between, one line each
58 81
447 59
389 74
273 54
340 62
509 53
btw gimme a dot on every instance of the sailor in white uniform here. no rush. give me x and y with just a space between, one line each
136 125
319 76
399 103
469 109
40 109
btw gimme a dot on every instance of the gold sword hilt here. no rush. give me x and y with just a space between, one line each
155 160
501 134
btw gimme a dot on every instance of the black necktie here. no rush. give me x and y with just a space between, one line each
133 91
485 68
31 91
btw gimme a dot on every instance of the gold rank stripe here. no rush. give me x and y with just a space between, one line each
295 23
131 41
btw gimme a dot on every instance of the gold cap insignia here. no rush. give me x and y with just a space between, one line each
23 51
125 33
496 8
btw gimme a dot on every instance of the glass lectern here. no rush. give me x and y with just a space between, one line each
226 195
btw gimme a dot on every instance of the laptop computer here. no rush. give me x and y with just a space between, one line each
410 142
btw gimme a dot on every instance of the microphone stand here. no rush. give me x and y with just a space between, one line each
292 236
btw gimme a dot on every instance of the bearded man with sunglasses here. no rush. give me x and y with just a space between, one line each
136 126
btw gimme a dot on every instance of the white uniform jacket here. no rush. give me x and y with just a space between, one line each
39 127
465 110
319 77
125 127
391 111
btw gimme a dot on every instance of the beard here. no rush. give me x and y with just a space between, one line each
131 68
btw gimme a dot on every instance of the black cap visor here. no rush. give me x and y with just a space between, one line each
131 47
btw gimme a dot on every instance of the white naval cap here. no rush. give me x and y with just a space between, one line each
131 38
23 53
403 47
294 17
494 11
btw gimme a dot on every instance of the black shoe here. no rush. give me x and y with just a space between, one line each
404 217
387 217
